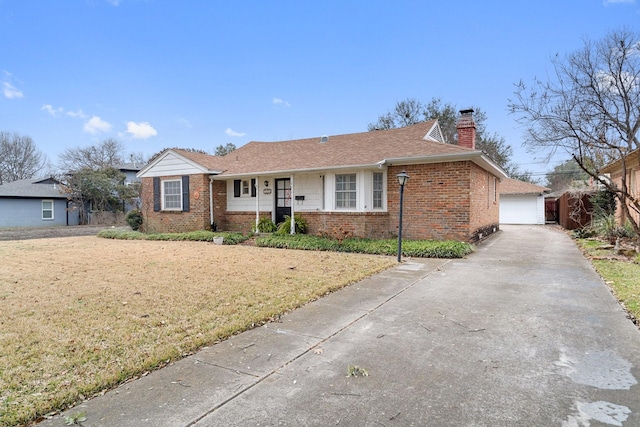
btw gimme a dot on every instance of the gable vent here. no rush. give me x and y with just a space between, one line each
324 139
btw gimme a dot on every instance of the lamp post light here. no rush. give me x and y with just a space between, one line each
403 178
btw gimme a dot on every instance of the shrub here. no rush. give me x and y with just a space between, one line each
265 225
285 226
413 248
134 219
607 227
193 236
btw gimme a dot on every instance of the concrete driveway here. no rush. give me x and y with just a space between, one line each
521 333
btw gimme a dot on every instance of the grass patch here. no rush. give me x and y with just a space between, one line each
410 248
81 314
622 275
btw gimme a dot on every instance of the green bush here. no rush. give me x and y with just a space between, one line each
265 225
193 236
413 248
608 228
285 226
134 219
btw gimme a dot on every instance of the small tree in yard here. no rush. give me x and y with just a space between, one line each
101 190
591 109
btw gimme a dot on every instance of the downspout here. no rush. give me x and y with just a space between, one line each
67 210
211 202
257 201
293 221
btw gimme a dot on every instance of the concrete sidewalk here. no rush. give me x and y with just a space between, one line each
521 333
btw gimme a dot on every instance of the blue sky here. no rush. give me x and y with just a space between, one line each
200 73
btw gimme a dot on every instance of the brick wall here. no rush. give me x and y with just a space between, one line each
442 201
485 203
374 225
220 204
177 222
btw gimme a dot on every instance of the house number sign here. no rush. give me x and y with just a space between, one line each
266 191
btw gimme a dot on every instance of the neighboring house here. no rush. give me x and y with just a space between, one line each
343 183
35 203
632 166
521 202
130 171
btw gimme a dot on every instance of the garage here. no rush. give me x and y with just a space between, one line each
521 202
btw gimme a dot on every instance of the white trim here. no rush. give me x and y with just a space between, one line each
145 171
42 210
162 200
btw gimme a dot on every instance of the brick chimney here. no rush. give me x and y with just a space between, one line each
466 128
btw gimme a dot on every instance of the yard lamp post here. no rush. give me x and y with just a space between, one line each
403 178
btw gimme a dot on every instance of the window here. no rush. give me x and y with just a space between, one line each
244 188
172 195
346 191
47 209
377 190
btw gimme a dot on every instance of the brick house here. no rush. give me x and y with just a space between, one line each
347 181
631 172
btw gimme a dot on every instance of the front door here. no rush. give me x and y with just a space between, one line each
283 199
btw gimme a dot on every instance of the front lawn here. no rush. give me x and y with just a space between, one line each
83 314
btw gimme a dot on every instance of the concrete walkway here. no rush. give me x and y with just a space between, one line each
521 333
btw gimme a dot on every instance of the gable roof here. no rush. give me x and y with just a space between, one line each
514 186
419 143
47 188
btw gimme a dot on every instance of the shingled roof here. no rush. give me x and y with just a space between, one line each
514 186
418 143
47 188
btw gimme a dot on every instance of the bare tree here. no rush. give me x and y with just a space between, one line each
19 157
106 154
589 107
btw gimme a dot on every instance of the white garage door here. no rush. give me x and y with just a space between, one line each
521 209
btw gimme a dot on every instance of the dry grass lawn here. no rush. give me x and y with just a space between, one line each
82 314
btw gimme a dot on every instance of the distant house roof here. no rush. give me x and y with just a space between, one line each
632 159
514 186
132 166
42 188
419 143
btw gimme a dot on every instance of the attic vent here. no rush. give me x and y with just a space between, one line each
436 134
324 139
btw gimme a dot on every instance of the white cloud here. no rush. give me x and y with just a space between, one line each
53 111
279 101
142 130
95 124
79 114
606 2
232 132
56 112
10 91
114 2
